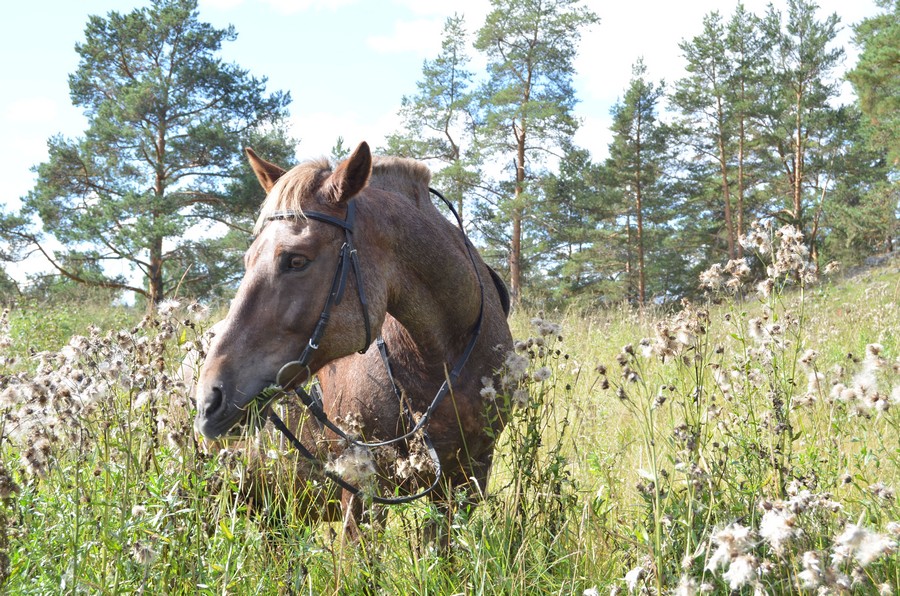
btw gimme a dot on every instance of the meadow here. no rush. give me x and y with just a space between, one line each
745 444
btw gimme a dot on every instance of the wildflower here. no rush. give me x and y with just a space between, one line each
633 577
765 287
873 350
516 365
142 553
732 541
777 529
542 374
10 397
814 382
546 328
863 544
355 465
756 329
809 358
487 391
167 307
882 492
738 268
712 278
687 586
832 267
521 397
741 572
198 311
418 462
757 239
591 592
812 575
138 511
865 385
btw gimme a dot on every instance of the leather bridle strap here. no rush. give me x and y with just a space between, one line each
293 370
336 478
315 408
347 259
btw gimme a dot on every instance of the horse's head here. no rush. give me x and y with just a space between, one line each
290 270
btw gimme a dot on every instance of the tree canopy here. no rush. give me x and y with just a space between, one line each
160 161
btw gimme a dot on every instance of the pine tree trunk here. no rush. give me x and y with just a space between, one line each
798 166
155 274
640 246
740 183
638 203
515 248
726 196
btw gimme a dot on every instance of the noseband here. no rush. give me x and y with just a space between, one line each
293 370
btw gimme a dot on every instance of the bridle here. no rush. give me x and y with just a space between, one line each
348 259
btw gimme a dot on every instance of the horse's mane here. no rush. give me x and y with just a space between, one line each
405 176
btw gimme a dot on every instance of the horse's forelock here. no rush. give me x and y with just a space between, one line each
304 180
289 192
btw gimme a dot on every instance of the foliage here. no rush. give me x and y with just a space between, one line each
160 160
440 121
875 76
754 130
527 100
637 156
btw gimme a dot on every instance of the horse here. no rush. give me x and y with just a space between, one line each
420 288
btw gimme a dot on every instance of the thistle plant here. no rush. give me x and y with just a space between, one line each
744 444
728 410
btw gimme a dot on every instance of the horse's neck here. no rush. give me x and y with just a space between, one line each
436 295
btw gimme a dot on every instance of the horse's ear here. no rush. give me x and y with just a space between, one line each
352 175
267 173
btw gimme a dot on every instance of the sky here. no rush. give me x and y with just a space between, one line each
346 63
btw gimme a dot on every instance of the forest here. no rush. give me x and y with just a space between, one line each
756 130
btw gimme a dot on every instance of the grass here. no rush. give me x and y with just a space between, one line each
717 454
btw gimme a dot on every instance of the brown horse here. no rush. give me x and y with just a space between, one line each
418 285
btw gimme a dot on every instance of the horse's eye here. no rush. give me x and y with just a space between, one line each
296 262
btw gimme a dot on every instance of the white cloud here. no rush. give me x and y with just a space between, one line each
295 6
474 11
318 131
594 135
422 36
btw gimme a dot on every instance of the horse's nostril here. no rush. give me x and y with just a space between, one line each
215 401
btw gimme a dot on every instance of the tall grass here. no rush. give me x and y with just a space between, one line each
748 444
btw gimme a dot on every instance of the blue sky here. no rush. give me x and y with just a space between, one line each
347 63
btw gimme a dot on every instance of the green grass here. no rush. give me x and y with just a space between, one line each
644 468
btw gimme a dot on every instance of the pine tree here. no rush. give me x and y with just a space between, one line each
876 77
801 82
704 100
528 101
160 161
637 155
439 121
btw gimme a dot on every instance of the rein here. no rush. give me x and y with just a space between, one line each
348 259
